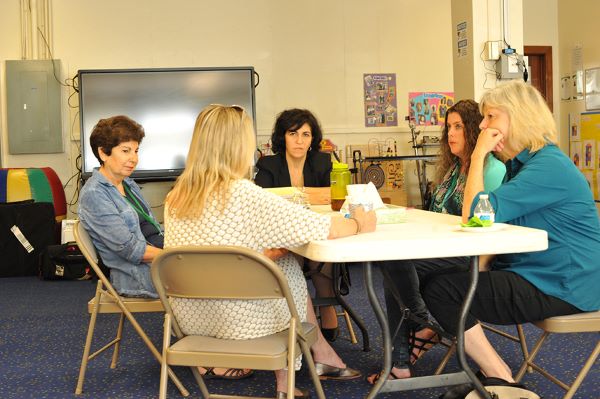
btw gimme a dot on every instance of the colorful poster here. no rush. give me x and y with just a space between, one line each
574 127
429 108
381 105
589 154
589 148
576 153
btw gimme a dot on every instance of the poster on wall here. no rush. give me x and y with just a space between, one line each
589 154
574 127
590 149
462 41
381 106
576 154
429 108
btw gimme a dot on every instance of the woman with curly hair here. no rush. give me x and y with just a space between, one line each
459 137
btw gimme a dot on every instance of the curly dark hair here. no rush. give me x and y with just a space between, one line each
110 132
293 119
471 118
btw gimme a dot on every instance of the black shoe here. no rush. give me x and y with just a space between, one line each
330 334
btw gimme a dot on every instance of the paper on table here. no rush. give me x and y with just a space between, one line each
363 193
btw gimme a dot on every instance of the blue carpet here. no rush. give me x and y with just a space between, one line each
43 326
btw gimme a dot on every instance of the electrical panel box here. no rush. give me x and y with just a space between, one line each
33 104
491 51
509 66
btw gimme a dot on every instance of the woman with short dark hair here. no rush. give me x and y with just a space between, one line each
112 209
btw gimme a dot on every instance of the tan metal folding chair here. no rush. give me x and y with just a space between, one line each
519 338
107 300
222 272
576 323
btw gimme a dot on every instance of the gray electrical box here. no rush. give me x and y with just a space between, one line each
509 66
33 104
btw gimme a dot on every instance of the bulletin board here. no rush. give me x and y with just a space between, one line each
585 153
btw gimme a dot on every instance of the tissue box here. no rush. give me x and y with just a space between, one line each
391 214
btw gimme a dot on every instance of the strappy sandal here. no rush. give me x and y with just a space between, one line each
229 374
419 346
373 378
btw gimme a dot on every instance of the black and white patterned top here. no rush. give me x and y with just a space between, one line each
256 219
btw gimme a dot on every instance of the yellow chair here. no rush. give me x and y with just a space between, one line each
576 323
221 272
107 300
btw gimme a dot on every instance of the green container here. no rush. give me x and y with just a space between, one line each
340 178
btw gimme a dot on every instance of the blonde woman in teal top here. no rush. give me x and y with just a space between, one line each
458 140
543 190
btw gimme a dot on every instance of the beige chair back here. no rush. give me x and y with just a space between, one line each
218 272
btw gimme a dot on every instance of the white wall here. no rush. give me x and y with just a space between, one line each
540 28
577 25
309 53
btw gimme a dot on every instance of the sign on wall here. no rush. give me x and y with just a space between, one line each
381 106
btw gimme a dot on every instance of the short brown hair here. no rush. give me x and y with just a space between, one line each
110 132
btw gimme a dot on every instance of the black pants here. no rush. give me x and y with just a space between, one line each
502 297
406 277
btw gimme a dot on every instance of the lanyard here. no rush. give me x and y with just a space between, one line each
139 208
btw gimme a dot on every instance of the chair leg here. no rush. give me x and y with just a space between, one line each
359 322
291 358
584 371
311 368
350 328
162 393
445 359
201 384
153 350
529 361
115 356
88 341
523 343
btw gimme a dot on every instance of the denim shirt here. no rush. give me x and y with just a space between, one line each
114 228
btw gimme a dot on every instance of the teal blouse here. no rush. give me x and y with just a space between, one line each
448 195
545 190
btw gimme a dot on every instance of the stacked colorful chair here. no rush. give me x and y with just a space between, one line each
39 184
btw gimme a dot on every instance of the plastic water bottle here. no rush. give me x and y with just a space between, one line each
483 209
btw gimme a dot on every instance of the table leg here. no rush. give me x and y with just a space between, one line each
385 331
460 331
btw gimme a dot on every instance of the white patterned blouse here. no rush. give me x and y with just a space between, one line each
256 219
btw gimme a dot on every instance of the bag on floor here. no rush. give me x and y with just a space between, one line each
64 262
26 230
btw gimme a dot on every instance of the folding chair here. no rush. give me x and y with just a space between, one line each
222 272
337 272
519 338
107 300
576 323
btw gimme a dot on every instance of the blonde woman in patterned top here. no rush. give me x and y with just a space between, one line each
214 203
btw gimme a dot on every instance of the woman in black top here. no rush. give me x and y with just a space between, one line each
297 162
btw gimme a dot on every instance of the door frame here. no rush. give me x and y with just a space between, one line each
546 52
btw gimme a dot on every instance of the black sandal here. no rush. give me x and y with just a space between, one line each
229 374
421 345
391 377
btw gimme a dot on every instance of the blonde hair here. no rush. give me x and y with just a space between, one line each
532 125
221 151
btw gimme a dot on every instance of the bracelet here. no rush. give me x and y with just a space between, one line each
357 225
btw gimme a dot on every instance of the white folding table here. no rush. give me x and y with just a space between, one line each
423 235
